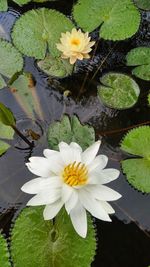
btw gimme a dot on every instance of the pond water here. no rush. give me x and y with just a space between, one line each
126 241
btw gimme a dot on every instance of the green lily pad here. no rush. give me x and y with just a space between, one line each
118 19
4 254
137 142
70 130
57 67
11 60
140 57
3 5
36 242
33 41
2 82
118 91
143 4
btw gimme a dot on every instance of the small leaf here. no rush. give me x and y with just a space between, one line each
10 58
118 91
118 19
36 242
137 142
143 4
4 254
140 57
3 5
55 66
6 116
70 130
2 82
32 40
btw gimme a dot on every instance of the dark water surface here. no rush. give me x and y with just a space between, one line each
126 241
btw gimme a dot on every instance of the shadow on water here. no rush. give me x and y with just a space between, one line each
126 241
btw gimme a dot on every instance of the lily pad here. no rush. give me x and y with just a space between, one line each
70 130
140 57
118 91
137 142
36 242
143 4
11 60
4 254
33 41
3 5
118 19
57 67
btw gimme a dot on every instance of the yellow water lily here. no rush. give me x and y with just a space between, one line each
75 45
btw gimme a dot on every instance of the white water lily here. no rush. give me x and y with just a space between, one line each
75 45
74 179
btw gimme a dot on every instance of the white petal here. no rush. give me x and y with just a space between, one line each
93 206
51 211
66 192
36 185
99 162
39 166
48 153
45 197
79 220
90 153
72 201
69 154
76 146
102 192
103 176
107 207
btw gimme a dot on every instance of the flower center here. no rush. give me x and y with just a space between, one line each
75 41
75 174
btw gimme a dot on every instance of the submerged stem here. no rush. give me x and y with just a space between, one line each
31 144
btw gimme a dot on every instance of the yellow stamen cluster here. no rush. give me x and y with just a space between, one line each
75 174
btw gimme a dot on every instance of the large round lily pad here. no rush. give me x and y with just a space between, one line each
118 19
38 30
4 254
118 91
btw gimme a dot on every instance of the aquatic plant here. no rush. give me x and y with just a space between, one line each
75 45
71 182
